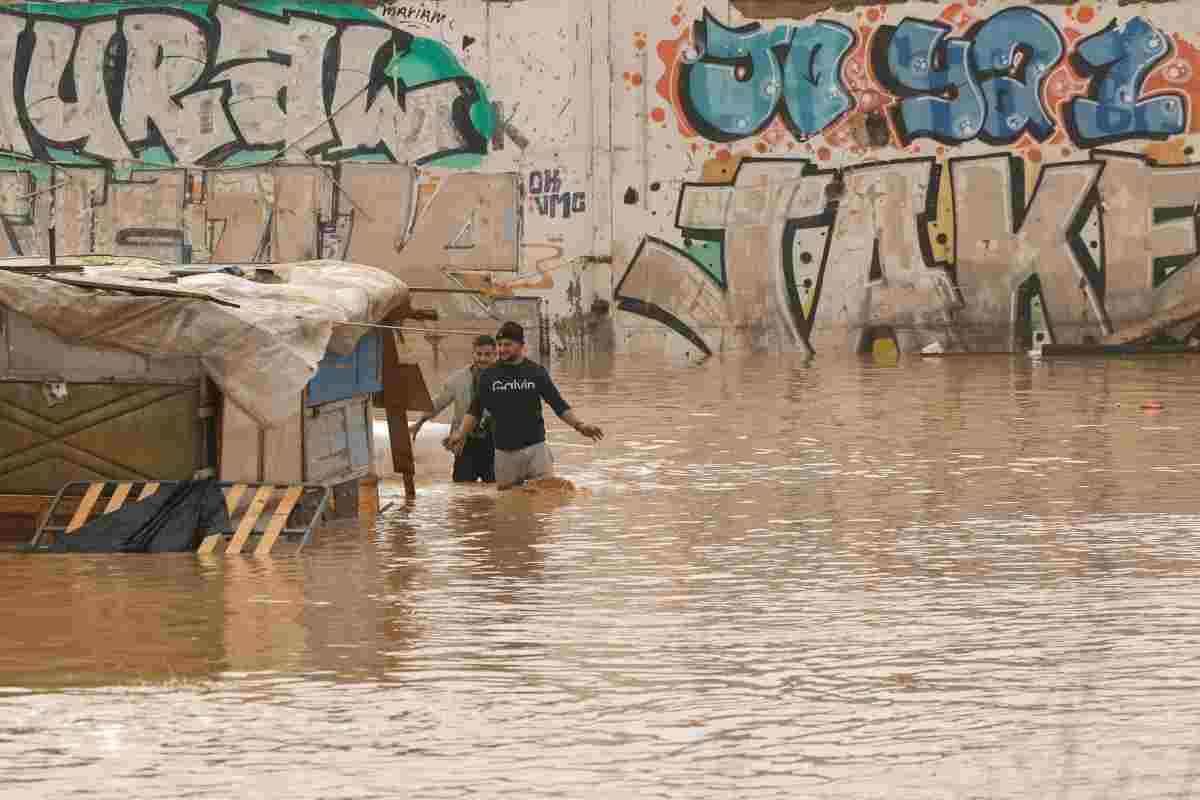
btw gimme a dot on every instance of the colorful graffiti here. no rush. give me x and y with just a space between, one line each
230 85
989 84
265 131
958 256
995 80
733 81
1118 61
947 181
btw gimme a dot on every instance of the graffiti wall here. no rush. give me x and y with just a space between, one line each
427 138
968 175
972 175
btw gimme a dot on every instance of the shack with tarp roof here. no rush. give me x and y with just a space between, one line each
134 370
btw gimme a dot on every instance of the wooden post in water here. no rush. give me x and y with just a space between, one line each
403 388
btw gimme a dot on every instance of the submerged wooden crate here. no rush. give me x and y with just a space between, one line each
264 512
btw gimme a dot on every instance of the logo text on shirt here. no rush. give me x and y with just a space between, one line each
504 386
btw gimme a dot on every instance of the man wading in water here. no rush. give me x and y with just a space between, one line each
512 391
475 460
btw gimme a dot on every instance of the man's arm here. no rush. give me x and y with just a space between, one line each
470 420
440 403
555 400
590 431
469 423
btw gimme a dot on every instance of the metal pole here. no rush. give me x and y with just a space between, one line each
402 328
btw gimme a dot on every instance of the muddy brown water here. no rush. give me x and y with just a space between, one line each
947 578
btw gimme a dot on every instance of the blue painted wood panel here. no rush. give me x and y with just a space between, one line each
343 377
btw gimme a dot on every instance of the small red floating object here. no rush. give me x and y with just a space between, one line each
1152 405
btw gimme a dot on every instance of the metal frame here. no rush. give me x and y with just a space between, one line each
304 532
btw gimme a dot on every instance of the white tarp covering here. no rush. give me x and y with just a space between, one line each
261 354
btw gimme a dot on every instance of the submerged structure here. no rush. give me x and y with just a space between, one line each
131 371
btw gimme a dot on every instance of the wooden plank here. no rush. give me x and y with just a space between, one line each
283 458
152 202
409 381
75 208
249 518
391 189
239 444
238 206
400 439
118 498
85 506
437 241
147 491
399 385
26 513
302 198
232 495
209 544
278 520
403 382
24 503
368 497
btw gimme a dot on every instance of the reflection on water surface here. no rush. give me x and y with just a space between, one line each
959 577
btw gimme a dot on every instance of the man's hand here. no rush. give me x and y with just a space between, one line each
590 431
455 441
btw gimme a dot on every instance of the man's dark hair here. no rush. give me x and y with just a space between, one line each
485 341
512 331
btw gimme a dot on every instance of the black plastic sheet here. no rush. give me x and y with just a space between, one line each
174 521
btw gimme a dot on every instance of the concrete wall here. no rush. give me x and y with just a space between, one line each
449 142
677 179
965 173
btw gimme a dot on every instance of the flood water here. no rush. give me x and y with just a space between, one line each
967 577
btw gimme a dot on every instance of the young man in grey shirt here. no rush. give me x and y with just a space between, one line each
476 459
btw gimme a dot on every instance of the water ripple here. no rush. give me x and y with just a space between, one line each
952 579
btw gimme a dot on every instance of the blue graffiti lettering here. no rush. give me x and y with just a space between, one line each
987 84
733 89
733 81
1118 61
942 98
1013 54
812 88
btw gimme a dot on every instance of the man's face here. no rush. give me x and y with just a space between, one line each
510 350
485 356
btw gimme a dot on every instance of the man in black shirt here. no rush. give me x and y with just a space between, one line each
513 391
